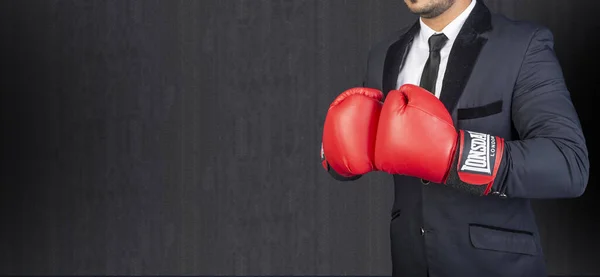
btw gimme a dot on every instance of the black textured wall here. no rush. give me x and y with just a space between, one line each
182 137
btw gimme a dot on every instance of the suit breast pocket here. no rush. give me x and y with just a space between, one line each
480 111
489 118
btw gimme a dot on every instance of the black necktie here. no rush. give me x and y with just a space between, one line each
432 66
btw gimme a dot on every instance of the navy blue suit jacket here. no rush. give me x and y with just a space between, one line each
504 79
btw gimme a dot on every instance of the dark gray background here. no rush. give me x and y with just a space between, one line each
182 137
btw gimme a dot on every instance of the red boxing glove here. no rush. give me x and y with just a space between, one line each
416 137
349 132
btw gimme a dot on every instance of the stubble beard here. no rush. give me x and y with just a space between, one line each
434 9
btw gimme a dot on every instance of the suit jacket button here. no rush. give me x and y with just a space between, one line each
422 232
424 182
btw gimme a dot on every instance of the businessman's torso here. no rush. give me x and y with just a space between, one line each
446 231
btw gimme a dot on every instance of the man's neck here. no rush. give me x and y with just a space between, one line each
439 22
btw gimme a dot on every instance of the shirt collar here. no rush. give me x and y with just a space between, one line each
451 30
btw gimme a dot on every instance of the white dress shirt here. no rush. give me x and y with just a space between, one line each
419 51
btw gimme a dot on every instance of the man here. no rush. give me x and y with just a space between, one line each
470 113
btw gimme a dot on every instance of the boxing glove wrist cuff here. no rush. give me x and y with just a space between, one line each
476 162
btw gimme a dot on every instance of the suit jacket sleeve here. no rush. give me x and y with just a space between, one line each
550 159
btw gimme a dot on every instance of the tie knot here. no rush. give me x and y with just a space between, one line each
437 42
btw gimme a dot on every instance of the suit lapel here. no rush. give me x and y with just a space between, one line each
464 53
395 57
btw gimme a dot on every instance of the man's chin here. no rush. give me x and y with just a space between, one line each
422 13
427 15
